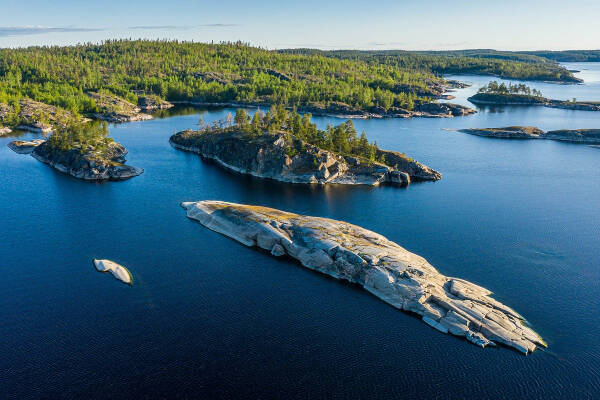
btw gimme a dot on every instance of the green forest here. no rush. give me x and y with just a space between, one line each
494 87
509 65
225 72
238 73
82 136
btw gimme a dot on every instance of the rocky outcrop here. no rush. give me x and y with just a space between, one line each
285 158
34 116
153 103
587 136
385 269
574 105
115 109
5 130
23 146
118 271
424 110
87 163
443 110
574 135
494 99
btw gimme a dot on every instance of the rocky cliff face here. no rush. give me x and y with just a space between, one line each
586 136
284 158
87 164
388 271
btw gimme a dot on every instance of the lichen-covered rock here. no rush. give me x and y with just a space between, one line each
87 164
115 109
390 272
153 103
285 158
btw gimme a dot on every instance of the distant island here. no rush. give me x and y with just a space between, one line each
586 136
495 94
350 253
82 150
532 66
288 147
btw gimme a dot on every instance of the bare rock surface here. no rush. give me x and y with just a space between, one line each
153 103
118 271
388 271
115 109
24 146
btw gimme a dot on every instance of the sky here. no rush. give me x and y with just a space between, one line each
349 24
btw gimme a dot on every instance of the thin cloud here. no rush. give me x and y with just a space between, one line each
178 27
387 43
38 30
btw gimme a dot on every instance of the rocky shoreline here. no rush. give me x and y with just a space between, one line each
284 158
393 274
521 100
88 166
584 136
426 110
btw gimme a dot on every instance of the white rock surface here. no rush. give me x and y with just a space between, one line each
119 272
23 146
390 272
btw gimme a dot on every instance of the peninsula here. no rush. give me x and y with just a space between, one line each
287 147
495 94
84 151
393 274
585 136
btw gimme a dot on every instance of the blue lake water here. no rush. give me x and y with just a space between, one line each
209 318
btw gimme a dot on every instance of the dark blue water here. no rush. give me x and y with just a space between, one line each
209 318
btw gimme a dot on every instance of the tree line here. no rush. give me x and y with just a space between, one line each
342 139
213 73
494 87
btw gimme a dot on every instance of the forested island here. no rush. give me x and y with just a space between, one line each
504 64
586 136
286 146
81 149
120 80
496 94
